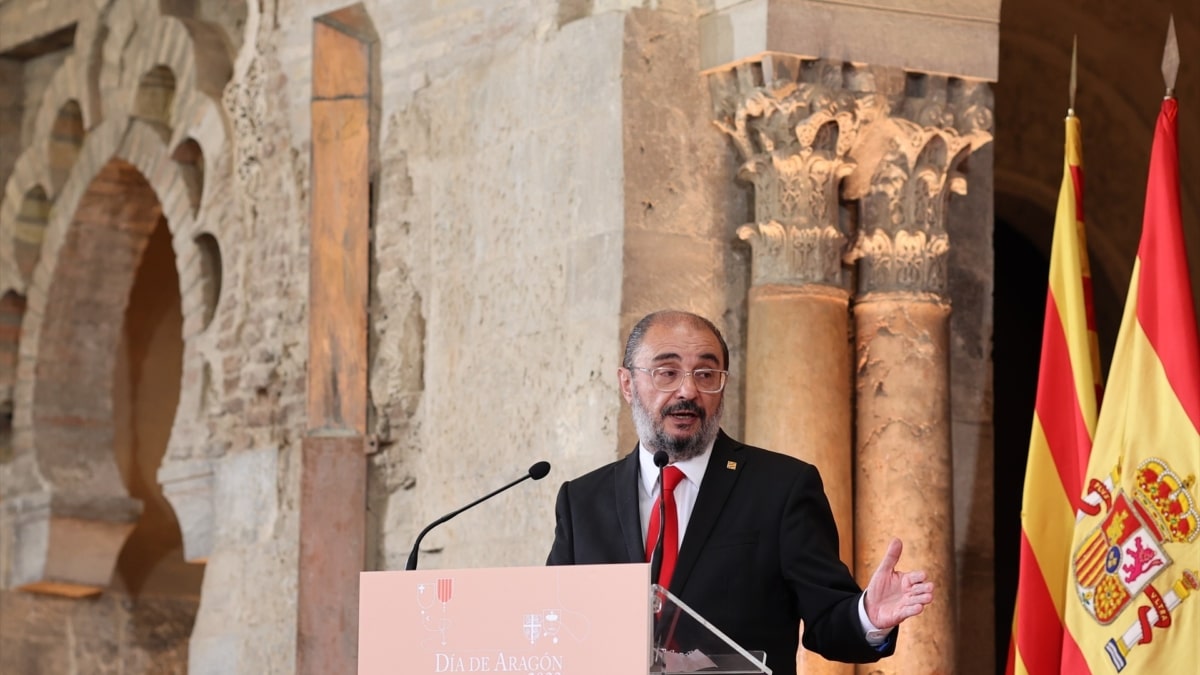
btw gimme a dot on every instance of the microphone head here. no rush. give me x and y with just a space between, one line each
661 459
538 471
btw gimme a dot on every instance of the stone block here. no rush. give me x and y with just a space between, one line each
214 655
246 489
67 546
952 41
188 486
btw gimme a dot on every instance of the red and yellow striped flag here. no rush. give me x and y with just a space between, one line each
1132 604
1063 424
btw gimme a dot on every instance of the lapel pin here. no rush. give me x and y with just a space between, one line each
731 465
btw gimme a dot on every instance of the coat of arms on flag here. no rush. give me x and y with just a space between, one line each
1127 552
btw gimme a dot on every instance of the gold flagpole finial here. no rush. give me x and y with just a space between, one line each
1170 62
1074 74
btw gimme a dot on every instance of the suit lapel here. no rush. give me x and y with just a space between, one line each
724 466
626 492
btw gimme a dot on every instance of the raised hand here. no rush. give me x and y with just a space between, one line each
893 596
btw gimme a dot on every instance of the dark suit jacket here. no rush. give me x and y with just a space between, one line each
760 551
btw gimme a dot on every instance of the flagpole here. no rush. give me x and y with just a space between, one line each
1074 76
1069 385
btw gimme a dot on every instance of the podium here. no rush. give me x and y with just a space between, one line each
561 620
685 642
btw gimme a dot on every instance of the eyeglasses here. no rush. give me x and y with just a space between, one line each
707 380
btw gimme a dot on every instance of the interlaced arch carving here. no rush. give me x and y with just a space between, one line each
106 161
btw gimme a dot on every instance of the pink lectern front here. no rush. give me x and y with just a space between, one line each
569 620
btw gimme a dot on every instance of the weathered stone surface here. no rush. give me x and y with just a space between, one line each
959 38
904 486
188 486
798 398
114 633
971 278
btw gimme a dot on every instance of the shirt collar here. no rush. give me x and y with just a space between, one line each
693 468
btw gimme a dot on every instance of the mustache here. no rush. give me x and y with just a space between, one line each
685 406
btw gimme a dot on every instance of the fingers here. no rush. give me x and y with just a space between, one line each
923 596
909 611
921 589
913 602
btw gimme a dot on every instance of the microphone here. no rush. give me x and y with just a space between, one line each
537 472
661 459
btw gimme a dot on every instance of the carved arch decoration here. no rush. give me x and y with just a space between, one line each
67 512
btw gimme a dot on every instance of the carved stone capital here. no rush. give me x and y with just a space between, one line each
948 103
785 254
904 261
907 168
793 123
894 141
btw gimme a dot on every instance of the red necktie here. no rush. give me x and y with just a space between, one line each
671 477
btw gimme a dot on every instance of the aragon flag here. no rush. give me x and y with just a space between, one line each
1132 603
1064 421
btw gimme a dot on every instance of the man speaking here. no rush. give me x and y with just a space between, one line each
749 541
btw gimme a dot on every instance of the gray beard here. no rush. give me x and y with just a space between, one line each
654 437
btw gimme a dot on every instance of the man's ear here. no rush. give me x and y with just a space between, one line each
625 376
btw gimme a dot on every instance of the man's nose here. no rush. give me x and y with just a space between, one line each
688 389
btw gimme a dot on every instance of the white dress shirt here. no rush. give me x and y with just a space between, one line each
685 493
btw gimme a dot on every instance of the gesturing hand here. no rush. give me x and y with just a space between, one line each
894 596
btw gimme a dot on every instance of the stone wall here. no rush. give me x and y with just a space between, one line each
499 260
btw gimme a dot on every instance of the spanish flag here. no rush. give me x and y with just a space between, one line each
1132 604
1064 421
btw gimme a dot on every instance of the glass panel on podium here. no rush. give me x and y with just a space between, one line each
685 642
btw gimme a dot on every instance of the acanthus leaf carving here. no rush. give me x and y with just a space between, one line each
802 126
794 255
912 172
794 136
903 261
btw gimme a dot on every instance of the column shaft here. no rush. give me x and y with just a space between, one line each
904 463
798 398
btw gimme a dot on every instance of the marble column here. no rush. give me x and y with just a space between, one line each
908 166
793 124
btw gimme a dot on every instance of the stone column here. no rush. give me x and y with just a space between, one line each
793 124
906 173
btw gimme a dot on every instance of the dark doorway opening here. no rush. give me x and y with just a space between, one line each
1020 305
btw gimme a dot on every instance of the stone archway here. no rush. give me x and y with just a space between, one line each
102 387
146 386
71 424
106 280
